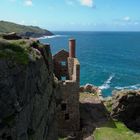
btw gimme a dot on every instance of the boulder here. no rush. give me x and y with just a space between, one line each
126 108
81 89
89 88
11 36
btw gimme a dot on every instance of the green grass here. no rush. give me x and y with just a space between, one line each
18 50
114 130
13 52
84 95
62 139
108 105
7 27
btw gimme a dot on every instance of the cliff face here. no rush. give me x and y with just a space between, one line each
27 95
126 108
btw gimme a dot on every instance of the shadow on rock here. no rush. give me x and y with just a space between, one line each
93 115
126 108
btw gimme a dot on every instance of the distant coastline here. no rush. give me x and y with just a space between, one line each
109 60
22 30
49 36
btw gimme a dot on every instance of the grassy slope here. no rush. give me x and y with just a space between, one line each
6 27
18 50
119 132
111 130
114 130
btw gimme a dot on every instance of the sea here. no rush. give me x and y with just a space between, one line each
109 60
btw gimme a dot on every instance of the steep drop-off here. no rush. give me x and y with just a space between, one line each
27 93
126 108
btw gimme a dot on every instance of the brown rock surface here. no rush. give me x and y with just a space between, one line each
89 88
126 108
93 114
11 36
27 98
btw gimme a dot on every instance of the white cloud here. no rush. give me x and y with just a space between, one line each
127 18
88 3
95 24
22 22
12 0
70 2
28 2
72 23
136 23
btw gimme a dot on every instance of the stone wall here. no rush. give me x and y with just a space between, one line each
68 90
70 67
27 99
68 114
76 71
61 64
68 111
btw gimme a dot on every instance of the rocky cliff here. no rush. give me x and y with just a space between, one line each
27 93
126 108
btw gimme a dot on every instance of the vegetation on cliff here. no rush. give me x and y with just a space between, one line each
96 120
20 51
114 130
26 31
27 93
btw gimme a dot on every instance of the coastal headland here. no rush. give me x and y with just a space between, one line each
31 97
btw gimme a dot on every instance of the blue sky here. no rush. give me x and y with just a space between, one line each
71 15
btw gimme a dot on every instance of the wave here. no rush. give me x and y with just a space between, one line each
106 84
133 87
52 36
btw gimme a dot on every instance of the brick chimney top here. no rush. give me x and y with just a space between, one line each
72 45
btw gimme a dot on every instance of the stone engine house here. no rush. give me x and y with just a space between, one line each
67 70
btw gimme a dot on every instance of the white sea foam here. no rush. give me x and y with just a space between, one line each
134 87
106 84
52 36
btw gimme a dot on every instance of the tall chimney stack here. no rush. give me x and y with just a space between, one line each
72 44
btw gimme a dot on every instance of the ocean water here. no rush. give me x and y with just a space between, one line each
110 60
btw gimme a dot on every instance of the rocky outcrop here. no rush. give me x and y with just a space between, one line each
126 108
27 93
11 36
35 35
93 114
89 88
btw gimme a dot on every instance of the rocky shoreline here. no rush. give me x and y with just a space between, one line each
89 88
123 105
29 96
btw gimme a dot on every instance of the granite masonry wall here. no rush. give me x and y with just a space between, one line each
68 89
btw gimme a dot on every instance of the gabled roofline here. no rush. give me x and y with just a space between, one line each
60 52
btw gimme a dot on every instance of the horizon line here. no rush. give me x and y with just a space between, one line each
90 31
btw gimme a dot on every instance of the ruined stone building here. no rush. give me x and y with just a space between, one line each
28 92
67 70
